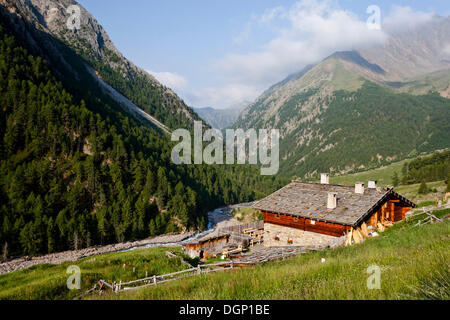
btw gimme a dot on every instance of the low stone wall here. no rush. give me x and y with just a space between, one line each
298 237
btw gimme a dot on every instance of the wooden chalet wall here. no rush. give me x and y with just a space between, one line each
390 211
331 229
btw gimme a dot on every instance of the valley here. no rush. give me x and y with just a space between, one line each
356 174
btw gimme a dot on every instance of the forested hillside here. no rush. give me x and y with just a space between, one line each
357 130
362 109
91 42
432 168
76 170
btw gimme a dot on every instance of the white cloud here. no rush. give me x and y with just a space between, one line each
446 50
172 80
221 97
305 33
302 34
405 18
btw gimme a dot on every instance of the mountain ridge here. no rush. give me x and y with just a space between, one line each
221 118
300 105
93 43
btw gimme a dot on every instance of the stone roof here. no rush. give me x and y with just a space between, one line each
309 200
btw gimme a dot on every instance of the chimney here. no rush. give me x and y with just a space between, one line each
359 188
332 200
325 178
372 184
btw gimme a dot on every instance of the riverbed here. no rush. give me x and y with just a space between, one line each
218 218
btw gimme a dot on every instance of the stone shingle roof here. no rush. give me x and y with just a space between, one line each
309 200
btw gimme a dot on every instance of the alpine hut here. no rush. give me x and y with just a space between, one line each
304 213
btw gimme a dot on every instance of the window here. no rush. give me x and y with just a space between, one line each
278 216
295 219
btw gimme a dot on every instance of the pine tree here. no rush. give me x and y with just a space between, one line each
405 173
423 188
395 179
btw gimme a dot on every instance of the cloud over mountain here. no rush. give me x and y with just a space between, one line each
304 34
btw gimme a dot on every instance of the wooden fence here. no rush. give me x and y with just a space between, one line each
241 227
154 280
271 255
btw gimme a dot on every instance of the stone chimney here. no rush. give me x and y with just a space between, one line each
325 178
332 200
372 184
359 188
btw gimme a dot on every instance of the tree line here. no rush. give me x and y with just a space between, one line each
77 171
425 169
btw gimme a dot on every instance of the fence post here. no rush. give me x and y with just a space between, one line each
199 270
154 279
232 264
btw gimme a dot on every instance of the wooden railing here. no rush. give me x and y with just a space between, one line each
158 279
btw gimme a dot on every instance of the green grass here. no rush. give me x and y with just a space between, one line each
412 192
383 175
49 281
426 204
247 214
414 264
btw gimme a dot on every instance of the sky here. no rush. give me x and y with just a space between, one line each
217 53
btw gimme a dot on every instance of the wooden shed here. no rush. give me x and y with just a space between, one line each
304 213
207 247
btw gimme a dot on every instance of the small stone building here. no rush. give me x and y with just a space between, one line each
304 213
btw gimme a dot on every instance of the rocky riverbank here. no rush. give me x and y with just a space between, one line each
218 218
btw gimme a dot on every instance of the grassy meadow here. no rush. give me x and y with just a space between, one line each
49 281
247 214
414 264
383 175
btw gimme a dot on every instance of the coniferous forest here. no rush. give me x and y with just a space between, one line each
78 171
426 169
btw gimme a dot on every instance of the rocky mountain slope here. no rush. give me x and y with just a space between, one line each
82 162
92 42
363 108
221 118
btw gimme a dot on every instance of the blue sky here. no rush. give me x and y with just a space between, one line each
218 53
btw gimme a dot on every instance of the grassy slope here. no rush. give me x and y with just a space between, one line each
49 281
414 264
383 175
409 258
412 191
247 214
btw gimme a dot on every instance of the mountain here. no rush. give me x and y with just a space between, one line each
221 118
360 109
92 43
85 161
